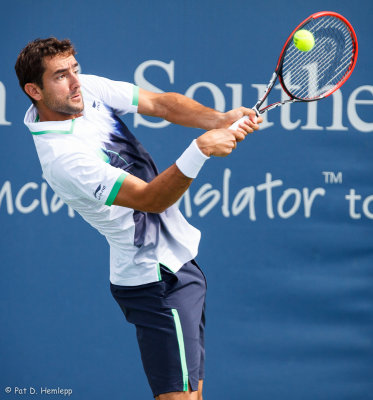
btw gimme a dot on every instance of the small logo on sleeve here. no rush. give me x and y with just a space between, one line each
99 191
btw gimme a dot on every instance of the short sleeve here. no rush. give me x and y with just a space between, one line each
82 176
122 97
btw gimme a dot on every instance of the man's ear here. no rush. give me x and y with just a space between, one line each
33 90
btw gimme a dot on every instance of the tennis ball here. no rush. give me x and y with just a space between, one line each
304 40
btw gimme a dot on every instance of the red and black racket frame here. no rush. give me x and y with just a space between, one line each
278 70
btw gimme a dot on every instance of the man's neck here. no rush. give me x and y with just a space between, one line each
46 114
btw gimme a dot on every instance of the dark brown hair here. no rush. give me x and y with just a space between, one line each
30 66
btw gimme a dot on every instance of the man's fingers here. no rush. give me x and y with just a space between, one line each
253 117
255 125
248 126
238 135
243 131
221 142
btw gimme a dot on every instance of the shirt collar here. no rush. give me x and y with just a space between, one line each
41 128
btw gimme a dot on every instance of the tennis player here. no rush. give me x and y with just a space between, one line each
95 164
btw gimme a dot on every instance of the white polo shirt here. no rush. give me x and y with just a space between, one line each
85 161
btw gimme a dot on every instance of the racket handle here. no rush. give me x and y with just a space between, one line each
234 126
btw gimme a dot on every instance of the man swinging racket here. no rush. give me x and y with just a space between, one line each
95 164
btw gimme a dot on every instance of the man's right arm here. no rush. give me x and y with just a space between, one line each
166 188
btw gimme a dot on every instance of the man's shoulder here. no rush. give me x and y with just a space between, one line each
119 96
88 79
94 87
97 82
90 83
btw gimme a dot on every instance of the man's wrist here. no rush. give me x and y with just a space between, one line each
203 148
218 121
192 160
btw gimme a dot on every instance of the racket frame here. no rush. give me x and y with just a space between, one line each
278 70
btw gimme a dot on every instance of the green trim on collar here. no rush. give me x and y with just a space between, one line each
55 131
135 98
115 189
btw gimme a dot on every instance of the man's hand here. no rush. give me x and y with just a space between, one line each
220 142
248 126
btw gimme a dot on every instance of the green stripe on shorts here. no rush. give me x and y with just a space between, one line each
159 272
180 339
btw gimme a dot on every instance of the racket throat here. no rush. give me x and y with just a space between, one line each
279 103
259 103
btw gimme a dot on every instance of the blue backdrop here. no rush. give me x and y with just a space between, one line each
286 220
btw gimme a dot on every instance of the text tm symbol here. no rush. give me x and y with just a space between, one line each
332 177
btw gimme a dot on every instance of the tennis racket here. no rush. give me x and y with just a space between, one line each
317 73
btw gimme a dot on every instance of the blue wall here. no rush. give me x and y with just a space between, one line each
290 297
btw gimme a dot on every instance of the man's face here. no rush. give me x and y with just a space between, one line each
61 87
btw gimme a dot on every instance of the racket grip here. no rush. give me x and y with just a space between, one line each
234 126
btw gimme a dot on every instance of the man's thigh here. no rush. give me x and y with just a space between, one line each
169 320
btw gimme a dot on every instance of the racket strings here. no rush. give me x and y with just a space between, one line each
301 81
311 74
321 70
309 83
322 57
323 61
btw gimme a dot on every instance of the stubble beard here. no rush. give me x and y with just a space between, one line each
64 106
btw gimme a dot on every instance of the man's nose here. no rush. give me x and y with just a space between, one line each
75 83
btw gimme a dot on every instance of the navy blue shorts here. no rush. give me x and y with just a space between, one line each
169 316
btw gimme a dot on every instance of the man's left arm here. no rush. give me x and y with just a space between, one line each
182 110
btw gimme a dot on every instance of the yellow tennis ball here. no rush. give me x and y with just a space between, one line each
304 40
